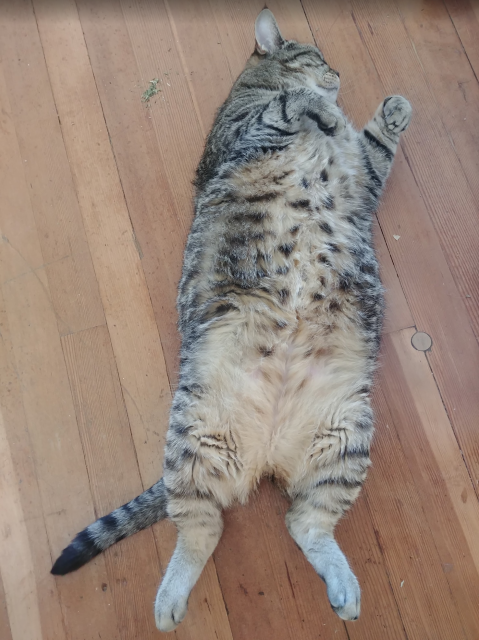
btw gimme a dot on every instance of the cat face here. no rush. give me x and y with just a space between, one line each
290 64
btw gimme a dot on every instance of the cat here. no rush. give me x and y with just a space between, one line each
280 312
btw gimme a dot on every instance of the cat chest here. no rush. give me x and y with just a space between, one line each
296 231
308 250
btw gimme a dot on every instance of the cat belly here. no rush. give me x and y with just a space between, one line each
303 391
268 414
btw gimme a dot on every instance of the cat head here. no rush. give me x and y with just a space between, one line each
288 64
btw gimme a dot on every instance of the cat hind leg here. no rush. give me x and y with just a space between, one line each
201 474
200 524
339 459
312 530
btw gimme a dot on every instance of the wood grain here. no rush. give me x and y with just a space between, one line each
419 583
269 577
20 450
95 205
5 630
436 463
133 567
46 436
126 300
65 252
117 264
160 224
442 180
465 16
16 562
452 80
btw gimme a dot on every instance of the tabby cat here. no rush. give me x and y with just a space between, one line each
280 307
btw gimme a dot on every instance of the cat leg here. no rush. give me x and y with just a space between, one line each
201 473
296 105
380 137
310 521
338 464
287 114
200 524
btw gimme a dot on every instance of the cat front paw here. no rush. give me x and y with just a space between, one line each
397 113
329 118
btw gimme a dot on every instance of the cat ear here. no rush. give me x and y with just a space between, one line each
268 35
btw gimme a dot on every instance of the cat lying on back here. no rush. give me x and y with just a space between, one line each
280 307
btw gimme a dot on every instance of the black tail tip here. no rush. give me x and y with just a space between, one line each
79 552
71 559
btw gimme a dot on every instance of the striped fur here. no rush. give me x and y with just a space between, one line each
138 514
280 312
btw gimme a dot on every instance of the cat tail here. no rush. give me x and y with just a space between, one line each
140 513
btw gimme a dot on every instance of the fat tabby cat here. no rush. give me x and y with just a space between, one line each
280 310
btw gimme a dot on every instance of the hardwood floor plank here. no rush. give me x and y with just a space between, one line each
263 572
431 292
115 255
16 562
437 308
452 82
204 64
397 314
65 253
235 23
21 453
465 16
247 578
380 616
133 566
436 463
416 574
448 197
60 466
36 404
160 226
5 631
174 115
125 296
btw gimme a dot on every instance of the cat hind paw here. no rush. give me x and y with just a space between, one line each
344 593
170 609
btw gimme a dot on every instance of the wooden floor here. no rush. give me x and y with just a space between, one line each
95 193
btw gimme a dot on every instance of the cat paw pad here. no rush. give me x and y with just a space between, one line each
397 113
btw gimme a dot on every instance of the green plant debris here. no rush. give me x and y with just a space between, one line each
152 90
